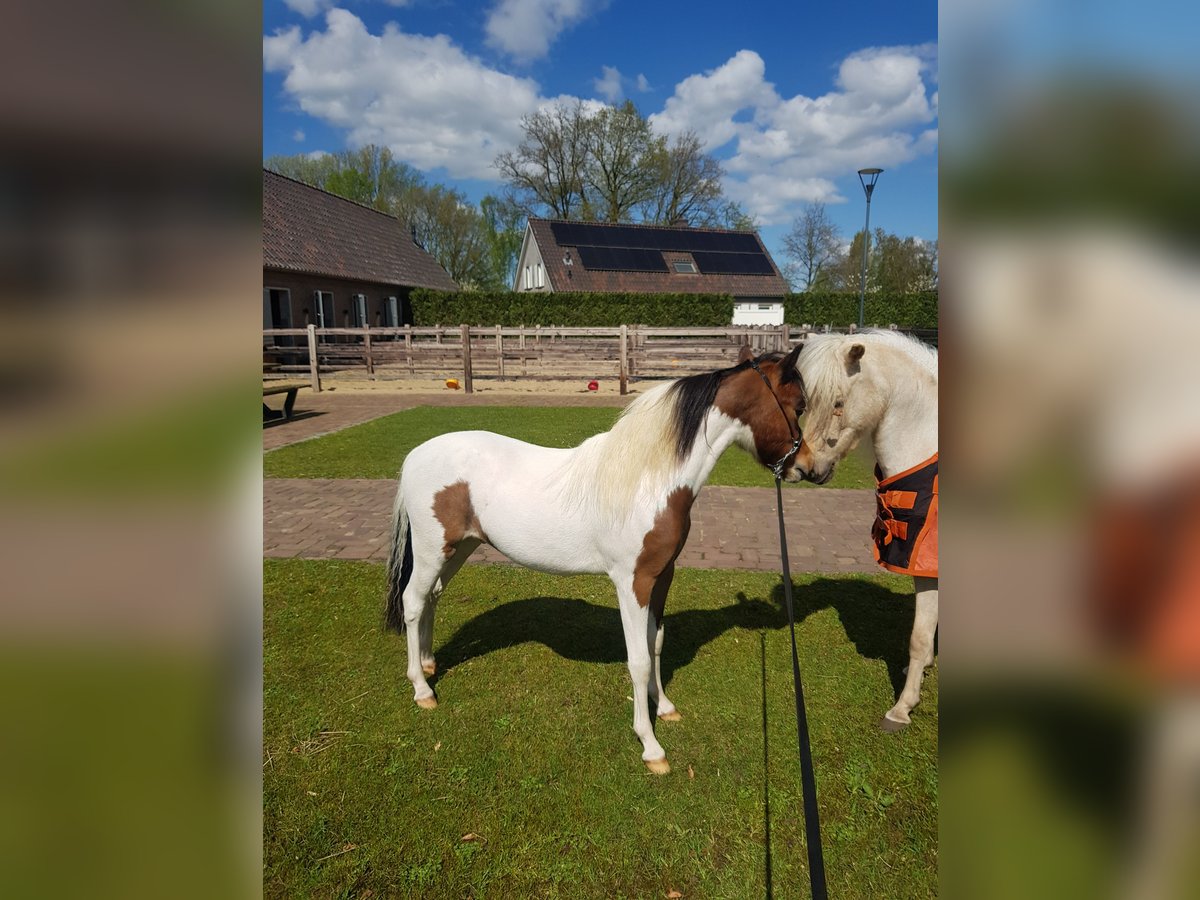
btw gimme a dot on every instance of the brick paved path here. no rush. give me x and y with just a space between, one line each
736 528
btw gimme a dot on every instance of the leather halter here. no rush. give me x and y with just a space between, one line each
798 438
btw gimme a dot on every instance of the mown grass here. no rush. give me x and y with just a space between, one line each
532 750
377 448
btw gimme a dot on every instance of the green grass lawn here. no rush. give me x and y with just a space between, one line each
532 747
376 449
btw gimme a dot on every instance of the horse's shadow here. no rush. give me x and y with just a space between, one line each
876 620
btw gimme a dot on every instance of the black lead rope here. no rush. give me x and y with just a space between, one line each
808 779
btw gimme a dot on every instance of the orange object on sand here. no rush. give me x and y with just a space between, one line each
452 383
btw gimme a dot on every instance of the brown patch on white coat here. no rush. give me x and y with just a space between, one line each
655 566
452 507
743 396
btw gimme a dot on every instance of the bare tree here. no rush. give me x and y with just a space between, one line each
547 168
814 247
609 166
686 184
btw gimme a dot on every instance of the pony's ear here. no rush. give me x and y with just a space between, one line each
745 354
853 355
787 366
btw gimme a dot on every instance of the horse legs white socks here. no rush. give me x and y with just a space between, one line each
920 653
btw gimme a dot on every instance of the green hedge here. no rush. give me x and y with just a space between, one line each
918 309
578 309
582 309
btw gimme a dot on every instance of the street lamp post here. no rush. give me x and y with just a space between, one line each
867 177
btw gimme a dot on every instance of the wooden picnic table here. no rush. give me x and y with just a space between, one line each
281 387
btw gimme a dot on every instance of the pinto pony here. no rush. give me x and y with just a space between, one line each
618 504
883 386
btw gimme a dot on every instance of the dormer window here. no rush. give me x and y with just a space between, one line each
684 267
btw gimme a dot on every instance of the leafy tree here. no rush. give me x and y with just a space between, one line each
813 246
504 229
618 175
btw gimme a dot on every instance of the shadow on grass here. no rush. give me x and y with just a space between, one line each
586 632
876 620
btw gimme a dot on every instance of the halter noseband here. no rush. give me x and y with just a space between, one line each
777 467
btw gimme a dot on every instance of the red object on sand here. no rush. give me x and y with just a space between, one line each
593 385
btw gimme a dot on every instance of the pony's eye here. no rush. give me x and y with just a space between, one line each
839 404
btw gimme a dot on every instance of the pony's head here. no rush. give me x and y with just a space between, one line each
841 404
766 394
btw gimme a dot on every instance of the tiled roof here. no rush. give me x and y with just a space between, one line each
583 279
309 230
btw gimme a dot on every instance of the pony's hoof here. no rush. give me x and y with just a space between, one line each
429 668
427 702
891 725
672 716
658 766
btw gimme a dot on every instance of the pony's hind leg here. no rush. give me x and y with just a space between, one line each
449 569
665 709
418 620
920 654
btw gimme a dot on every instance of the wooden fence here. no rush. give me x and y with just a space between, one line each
531 353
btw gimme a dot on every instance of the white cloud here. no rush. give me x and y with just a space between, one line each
707 104
424 97
436 106
525 29
643 84
308 8
787 151
608 85
317 154
298 135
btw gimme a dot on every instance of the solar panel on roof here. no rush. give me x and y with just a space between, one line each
733 263
621 259
591 234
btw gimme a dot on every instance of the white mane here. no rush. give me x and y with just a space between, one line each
822 362
606 471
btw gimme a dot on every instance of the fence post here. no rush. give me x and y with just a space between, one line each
367 352
500 352
313 369
408 347
468 386
624 360
521 345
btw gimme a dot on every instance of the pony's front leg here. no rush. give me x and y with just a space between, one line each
920 653
636 623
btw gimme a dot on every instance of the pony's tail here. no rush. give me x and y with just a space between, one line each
400 563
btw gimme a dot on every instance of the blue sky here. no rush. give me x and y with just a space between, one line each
792 100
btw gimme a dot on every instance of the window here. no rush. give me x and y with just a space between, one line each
323 301
541 280
528 277
764 306
685 267
358 311
391 313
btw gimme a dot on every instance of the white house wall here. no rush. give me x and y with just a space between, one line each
531 257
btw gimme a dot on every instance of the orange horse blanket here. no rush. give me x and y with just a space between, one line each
906 516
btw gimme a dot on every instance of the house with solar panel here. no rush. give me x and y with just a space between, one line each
652 259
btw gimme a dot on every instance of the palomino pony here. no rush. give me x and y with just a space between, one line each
882 386
618 504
